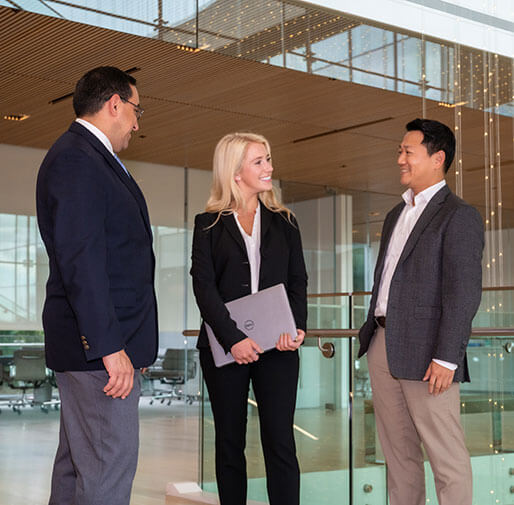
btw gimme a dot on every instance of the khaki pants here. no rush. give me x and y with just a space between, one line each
408 416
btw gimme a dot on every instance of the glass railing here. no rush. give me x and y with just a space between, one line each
338 450
349 310
305 38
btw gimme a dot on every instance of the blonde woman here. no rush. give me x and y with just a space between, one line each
244 242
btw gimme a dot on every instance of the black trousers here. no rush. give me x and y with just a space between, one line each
274 379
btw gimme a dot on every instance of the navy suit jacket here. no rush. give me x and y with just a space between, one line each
94 222
221 271
435 289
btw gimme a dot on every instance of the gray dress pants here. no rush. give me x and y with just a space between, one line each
98 441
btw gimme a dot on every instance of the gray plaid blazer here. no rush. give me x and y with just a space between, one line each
435 290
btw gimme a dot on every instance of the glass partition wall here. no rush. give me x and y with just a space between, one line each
307 38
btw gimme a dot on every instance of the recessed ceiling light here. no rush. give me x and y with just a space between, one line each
374 214
16 117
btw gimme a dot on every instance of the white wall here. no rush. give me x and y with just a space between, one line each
18 178
162 185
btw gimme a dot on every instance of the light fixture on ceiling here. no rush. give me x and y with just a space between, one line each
451 105
183 47
374 214
16 117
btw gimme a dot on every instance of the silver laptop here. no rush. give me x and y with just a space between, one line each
262 316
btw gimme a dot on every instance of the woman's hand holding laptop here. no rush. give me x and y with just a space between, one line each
246 351
286 343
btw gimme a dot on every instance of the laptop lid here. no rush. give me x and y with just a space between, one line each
262 316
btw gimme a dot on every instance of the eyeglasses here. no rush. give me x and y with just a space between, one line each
139 111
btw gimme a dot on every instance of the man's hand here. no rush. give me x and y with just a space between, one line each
121 374
439 378
286 343
246 351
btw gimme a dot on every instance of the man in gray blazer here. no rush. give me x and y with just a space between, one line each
427 288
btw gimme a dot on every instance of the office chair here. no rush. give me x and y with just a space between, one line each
28 371
174 370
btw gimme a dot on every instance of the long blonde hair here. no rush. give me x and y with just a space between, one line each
225 195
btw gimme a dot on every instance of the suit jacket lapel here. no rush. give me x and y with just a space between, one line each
386 237
266 216
138 195
127 180
229 221
427 215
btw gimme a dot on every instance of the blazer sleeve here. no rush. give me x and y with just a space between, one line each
297 278
210 303
461 283
77 202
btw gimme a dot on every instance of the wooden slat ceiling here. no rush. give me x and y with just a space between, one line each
192 99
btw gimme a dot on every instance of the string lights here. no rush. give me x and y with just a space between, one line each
457 95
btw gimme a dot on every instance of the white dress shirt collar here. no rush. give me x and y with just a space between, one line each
423 197
99 134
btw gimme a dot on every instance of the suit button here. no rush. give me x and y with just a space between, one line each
83 338
86 347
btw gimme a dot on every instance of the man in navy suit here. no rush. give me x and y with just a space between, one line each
100 316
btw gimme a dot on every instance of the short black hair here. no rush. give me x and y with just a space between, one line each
436 137
98 85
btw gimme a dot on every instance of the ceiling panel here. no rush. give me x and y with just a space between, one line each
324 133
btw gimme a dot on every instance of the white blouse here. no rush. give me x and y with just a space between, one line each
253 245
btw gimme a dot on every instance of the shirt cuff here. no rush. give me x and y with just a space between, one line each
446 364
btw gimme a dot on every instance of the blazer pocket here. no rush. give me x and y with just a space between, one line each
421 312
123 297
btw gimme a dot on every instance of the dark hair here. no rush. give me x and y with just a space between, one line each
436 137
98 85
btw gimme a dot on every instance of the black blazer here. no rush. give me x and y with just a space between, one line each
221 271
435 290
94 222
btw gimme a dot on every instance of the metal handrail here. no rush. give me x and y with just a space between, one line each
365 293
328 349
323 333
475 333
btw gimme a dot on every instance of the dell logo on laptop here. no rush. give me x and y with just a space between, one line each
249 324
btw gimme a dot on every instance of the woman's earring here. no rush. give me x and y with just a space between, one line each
237 178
